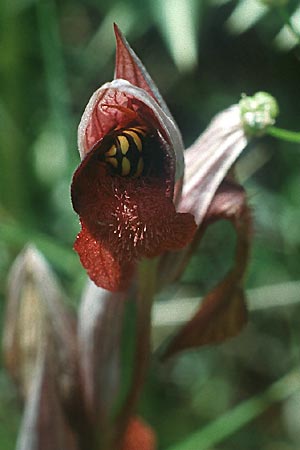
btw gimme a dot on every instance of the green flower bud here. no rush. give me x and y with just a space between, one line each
258 112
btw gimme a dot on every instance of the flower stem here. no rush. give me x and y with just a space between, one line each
147 275
285 135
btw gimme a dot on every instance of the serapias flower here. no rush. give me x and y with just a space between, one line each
123 190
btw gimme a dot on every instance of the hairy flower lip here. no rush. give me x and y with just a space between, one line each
168 128
122 221
118 231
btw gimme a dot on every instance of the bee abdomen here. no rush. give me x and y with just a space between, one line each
125 155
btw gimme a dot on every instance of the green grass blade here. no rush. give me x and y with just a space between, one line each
241 415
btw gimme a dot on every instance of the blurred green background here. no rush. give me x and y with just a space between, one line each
203 55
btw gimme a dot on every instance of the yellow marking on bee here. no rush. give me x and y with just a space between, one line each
125 166
135 137
112 151
140 130
139 168
124 144
113 161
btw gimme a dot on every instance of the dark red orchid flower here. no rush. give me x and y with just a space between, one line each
135 200
123 190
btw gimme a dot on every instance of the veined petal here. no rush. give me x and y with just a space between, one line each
129 67
112 104
208 160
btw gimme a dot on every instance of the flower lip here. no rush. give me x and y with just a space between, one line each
125 218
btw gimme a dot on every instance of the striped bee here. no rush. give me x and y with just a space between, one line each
125 154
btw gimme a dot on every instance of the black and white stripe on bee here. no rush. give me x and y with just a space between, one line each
125 155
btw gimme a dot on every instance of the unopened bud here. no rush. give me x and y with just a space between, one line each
36 321
258 112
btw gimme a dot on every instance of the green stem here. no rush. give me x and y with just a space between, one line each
147 275
285 135
287 20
